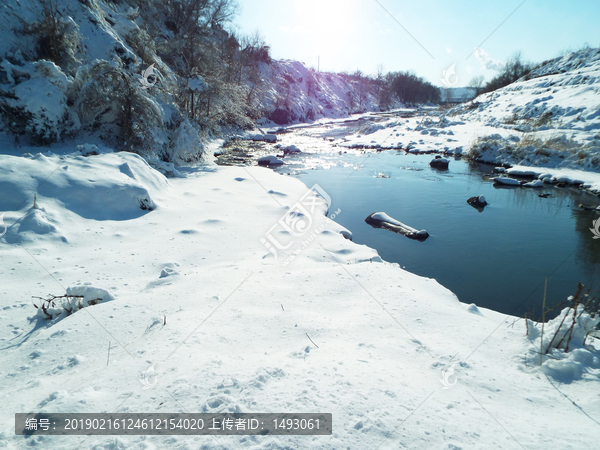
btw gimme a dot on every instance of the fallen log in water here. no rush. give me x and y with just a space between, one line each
382 220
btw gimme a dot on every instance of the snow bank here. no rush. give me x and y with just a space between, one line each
116 186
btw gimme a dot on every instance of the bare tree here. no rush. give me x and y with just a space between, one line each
477 84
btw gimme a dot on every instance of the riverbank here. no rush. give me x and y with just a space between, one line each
227 327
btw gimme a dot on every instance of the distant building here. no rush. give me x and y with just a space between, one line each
457 95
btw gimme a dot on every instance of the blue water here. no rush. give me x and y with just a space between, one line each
497 258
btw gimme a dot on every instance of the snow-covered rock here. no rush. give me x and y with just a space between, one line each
291 149
534 184
270 160
439 163
506 181
477 202
382 220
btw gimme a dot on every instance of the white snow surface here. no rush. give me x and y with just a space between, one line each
400 362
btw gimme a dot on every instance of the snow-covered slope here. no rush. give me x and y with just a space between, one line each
559 95
293 92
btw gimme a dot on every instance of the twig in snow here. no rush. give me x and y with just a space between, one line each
575 302
311 340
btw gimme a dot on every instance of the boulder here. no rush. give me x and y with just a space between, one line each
271 138
291 149
269 160
439 163
477 202
382 220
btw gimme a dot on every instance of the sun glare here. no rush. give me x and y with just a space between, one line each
325 24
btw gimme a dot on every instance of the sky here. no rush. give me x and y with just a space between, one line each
446 42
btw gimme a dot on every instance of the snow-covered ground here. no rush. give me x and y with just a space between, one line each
396 358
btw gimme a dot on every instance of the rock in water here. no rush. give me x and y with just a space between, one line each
291 149
506 181
439 163
382 220
477 202
269 160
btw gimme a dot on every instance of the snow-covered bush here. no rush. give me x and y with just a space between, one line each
57 37
562 344
109 99
34 102
76 298
567 331
186 145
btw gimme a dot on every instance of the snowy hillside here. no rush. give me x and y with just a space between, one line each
562 94
552 115
293 92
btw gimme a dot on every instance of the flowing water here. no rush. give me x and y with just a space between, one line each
497 258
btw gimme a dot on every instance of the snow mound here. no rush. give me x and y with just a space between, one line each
90 293
115 186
